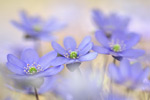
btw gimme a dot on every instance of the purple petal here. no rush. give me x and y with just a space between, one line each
29 56
86 49
98 17
46 37
136 69
59 61
50 71
15 69
69 43
15 61
133 53
88 57
133 40
125 68
143 75
101 38
47 85
114 73
20 26
24 18
100 50
46 59
84 42
58 48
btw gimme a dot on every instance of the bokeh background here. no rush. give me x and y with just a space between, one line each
77 15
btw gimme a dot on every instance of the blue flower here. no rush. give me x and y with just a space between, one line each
36 28
119 45
109 24
130 75
30 65
72 53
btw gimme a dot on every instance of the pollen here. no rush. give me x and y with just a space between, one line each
32 70
73 55
116 48
37 28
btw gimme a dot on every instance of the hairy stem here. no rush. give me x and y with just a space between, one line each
36 94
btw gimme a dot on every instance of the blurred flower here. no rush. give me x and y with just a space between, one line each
8 98
118 46
36 28
146 85
30 65
110 24
87 87
71 54
75 87
130 75
111 96
27 85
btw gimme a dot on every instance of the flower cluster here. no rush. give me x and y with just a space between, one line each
31 74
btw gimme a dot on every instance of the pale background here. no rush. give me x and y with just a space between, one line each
76 13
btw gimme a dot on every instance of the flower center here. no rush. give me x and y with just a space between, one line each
32 70
73 55
37 28
116 48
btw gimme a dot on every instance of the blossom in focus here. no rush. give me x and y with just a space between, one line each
110 24
119 45
30 64
36 28
72 53
130 75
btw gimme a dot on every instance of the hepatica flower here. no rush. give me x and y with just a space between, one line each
118 46
71 53
130 75
31 65
109 24
36 28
